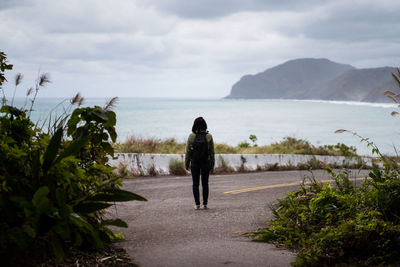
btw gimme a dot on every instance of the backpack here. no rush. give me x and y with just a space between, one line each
199 149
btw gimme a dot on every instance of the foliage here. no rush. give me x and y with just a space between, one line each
253 139
3 67
342 224
55 187
177 167
244 144
342 149
289 145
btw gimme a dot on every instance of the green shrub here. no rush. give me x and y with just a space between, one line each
341 224
55 187
244 144
342 149
177 167
253 139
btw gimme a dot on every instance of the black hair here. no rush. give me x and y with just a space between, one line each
199 125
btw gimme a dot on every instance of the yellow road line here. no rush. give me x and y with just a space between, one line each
281 185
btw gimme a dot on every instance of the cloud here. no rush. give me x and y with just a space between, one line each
7 4
207 9
187 48
358 22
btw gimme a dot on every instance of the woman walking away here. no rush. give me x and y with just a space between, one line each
200 157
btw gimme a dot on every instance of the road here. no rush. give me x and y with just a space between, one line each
168 231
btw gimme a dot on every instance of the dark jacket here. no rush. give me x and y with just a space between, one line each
211 153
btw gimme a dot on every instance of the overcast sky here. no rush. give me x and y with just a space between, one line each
181 48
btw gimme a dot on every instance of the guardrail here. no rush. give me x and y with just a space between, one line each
143 164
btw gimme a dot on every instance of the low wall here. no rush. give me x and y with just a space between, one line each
140 164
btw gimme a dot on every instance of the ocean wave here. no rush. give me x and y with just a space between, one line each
352 103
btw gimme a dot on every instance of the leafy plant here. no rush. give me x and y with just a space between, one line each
253 139
343 224
55 187
342 149
3 67
244 144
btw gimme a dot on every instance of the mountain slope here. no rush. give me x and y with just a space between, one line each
354 85
317 79
288 80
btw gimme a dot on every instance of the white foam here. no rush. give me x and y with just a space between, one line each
353 103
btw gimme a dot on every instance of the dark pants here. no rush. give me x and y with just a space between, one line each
202 169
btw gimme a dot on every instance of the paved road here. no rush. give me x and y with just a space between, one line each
167 231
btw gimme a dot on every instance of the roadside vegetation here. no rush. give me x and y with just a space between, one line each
177 167
55 183
289 145
344 224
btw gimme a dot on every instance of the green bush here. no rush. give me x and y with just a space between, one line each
177 167
54 188
244 144
342 224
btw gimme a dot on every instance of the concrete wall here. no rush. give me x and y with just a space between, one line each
140 164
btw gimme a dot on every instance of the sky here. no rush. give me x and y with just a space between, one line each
185 49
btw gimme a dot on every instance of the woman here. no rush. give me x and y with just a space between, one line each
200 157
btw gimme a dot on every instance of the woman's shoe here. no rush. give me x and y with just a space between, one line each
205 207
197 207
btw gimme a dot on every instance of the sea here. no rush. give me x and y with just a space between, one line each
232 121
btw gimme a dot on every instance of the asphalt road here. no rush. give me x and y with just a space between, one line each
168 231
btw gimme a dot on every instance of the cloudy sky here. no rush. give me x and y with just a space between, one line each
181 48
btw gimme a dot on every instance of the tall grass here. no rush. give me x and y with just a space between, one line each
289 145
136 144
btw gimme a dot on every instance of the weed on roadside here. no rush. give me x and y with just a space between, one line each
223 167
153 171
177 167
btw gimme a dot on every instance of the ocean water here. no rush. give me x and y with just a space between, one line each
232 121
